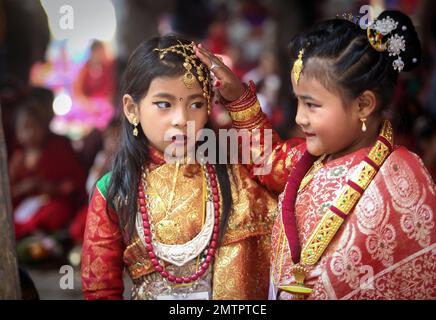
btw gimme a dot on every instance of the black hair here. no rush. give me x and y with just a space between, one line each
143 66
38 103
338 53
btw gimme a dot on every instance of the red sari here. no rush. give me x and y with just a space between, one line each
385 249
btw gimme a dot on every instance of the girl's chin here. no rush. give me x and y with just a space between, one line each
314 149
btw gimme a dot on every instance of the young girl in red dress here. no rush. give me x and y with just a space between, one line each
181 230
356 214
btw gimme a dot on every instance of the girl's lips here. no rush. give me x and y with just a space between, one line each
309 135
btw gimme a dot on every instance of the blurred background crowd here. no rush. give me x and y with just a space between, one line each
61 65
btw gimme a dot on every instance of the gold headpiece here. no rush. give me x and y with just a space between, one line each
377 40
298 66
191 61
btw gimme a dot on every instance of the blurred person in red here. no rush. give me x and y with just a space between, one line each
47 182
93 89
96 76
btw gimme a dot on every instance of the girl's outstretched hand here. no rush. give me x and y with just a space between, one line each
228 84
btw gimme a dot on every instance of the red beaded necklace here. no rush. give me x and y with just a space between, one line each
211 250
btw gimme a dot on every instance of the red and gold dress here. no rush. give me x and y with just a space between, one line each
385 244
240 269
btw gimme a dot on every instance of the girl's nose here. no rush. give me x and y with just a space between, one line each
301 118
180 118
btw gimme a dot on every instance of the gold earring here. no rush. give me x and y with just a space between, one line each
363 124
135 125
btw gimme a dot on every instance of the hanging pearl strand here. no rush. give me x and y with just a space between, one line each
211 250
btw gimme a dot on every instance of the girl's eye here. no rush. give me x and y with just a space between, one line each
311 105
197 105
162 104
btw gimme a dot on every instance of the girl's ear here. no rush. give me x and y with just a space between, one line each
367 103
130 108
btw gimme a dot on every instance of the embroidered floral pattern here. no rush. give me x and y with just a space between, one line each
381 244
337 172
418 223
413 279
411 201
346 262
372 216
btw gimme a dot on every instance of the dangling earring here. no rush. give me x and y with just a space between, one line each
135 125
363 124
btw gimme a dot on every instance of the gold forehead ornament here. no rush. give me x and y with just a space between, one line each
191 61
298 66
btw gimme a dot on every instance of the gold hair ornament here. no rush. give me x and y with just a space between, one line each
298 66
191 61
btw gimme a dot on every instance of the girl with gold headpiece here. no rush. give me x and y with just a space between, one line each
356 214
183 230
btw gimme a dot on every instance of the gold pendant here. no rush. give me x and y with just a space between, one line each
298 288
188 80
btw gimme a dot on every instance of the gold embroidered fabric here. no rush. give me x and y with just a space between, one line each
241 267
